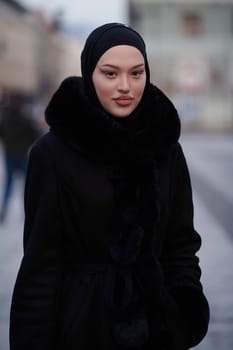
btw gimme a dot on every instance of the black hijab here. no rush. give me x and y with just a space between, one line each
98 42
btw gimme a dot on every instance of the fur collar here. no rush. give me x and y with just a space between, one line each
70 115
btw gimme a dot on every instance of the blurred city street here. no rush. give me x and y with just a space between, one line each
210 160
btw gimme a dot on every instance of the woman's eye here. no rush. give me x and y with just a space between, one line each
138 73
109 74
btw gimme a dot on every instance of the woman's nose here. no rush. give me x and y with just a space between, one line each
124 84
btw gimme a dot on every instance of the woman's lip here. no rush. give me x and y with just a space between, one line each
123 100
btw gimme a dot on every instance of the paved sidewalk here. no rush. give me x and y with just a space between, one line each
216 258
11 235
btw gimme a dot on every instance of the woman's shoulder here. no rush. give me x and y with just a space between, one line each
178 163
45 145
175 160
161 96
177 153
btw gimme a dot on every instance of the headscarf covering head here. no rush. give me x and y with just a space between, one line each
98 42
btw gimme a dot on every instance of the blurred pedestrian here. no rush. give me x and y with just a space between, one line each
17 132
109 244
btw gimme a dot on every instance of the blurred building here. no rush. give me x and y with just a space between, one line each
190 48
58 54
64 57
18 70
35 54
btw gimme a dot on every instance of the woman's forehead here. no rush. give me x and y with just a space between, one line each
120 54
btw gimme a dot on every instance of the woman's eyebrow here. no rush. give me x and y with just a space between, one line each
113 66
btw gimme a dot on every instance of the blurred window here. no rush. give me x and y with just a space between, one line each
192 24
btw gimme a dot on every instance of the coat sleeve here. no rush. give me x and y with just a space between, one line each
33 308
186 305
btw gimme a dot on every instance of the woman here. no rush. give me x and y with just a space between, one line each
109 244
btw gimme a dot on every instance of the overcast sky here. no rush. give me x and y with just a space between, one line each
88 12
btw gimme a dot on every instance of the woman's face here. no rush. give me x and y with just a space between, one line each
119 79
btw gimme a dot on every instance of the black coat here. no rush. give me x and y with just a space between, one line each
109 244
